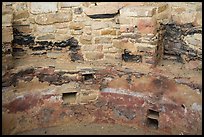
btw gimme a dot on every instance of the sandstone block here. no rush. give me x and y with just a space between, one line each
76 25
96 32
62 31
21 14
46 37
162 7
51 18
138 11
128 20
45 19
147 26
43 7
86 39
7 20
76 32
69 4
164 15
54 55
102 8
7 34
198 19
109 56
80 19
24 28
6 10
123 44
99 25
88 23
108 32
61 17
92 47
144 47
194 41
94 55
127 28
178 10
111 50
21 22
61 37
86 4
62 25
87 30
185 17
20 6
45 29
101 40
32 19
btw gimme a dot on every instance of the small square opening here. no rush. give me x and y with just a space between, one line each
87 77
152 113
152 123
69 98
152 118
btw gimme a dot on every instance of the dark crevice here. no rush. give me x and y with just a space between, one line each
127 57
102 16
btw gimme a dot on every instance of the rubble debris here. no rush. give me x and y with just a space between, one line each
127 57
174 43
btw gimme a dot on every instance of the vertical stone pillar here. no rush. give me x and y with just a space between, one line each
7 30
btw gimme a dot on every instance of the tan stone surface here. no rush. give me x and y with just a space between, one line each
103 8
94 55
76 25
43 7
138 11
7 34
46 37
51 18
7 20
21 14
108 32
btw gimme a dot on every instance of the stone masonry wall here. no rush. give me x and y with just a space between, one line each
104 30
7 30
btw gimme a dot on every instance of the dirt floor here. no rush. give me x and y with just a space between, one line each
91 129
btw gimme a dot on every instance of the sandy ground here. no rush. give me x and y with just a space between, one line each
91 129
